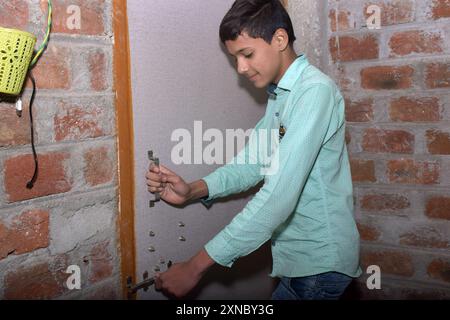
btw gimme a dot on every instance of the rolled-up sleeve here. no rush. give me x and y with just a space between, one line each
279 195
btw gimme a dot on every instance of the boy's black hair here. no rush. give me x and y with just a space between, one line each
258 18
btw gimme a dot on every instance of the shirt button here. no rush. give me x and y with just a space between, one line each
273 243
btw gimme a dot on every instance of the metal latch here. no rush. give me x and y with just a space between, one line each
145 284
132 289
156 162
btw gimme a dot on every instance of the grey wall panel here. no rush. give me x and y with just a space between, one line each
181 74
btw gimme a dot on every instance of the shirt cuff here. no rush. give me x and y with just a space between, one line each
207 203
213 184
219 250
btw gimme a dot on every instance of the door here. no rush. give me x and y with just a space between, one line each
183 82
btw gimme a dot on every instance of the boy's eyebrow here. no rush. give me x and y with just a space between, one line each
239 51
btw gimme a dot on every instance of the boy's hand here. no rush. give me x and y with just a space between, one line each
172 188
182 277
177 281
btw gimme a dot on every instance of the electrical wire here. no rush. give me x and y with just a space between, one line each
47 35
30 183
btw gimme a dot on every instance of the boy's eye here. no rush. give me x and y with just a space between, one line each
248 55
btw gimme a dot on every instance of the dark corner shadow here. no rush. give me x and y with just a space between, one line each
259 95
244 268
352 292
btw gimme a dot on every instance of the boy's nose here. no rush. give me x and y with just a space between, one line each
242 67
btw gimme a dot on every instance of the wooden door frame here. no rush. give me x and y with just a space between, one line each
125 144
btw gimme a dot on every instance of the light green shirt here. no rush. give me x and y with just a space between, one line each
306 205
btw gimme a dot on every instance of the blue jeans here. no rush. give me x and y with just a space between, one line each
324 286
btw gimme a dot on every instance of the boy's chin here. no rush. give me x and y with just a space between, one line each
260 84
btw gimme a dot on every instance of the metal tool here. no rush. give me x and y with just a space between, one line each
132 289
156 162
145 284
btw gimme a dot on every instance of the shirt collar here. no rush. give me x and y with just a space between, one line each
289 78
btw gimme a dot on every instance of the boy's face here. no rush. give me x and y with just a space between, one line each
255 59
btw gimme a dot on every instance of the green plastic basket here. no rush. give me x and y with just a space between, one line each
16 51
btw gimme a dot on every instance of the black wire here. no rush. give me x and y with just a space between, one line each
30 183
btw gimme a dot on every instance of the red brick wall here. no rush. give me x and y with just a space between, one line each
396 82
69 217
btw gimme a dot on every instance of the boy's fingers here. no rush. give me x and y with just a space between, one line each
155 189
154 184
158 282
171 179
153 176
166 170
161 175
153 181
153 167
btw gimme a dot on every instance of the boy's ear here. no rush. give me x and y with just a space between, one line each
281 39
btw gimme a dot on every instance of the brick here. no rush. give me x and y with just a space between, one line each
100 262
393 12
28 232
35 282
341 22
52 178
97 70
5 247
384 201
391 262
409 171
73 122
348 137
363 170
424 237
351 48
407 109
99 166
91 13
386 77
438 142
439 269
368 232
359 110
14 14
52 71
14 131
438 207
437 75
417 41
394 141
440 9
